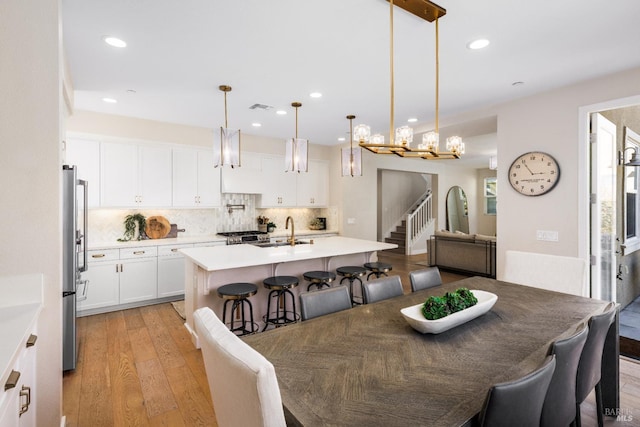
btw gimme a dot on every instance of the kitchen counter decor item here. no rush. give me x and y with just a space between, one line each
130 223
263 221
157 227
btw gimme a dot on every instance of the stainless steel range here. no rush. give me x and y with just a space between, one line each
240 237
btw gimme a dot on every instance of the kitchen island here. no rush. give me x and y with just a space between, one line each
208 268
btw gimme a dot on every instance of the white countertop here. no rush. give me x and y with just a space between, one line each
238 256
184 240
157 242
19 309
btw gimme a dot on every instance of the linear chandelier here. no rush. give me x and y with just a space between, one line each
351 157
296 157
401 144
226 150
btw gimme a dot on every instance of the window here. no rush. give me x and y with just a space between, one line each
631 195
490 193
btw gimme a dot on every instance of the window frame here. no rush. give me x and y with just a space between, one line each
630 243
487 194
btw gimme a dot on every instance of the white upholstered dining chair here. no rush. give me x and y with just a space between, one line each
243 384
551 272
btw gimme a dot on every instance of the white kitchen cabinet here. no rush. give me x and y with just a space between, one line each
279 186
85 154
196 182
171 270
138 279
313 186
103 284
245 179
134 175
18 401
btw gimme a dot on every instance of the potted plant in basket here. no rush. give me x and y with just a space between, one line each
271 227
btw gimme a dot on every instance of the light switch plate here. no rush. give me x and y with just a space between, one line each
549 236
351 220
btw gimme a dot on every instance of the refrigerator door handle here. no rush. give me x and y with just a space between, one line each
85 220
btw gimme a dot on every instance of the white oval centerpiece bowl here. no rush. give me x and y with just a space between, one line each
413 315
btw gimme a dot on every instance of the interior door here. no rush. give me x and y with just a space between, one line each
603 208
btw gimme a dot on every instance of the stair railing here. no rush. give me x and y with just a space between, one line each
418 219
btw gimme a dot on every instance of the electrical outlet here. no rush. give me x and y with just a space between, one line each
549 236
351 220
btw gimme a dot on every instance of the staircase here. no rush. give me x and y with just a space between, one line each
412 233
398 237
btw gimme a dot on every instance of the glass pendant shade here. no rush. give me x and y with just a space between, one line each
430 141
378 138
226 149
455 145
296 157
361 133
351 161
404 135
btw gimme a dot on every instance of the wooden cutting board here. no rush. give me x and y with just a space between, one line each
157 227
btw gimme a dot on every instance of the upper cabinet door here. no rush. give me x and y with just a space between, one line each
119 175
154 176
185 177
279 186
313 186
85 154
208 180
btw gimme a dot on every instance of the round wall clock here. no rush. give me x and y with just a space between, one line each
534 173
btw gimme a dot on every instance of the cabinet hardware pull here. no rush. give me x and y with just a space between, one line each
25 392
138 252
174 250
98 256
32 340
12 381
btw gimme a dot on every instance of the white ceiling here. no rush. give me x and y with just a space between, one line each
279 51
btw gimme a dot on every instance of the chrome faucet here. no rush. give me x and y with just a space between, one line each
292 240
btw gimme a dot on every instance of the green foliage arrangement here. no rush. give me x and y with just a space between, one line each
130 227
439 307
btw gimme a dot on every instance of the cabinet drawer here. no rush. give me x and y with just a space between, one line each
142 252
104 255
172 250
206 244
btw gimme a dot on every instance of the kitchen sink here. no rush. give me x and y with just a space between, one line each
276 244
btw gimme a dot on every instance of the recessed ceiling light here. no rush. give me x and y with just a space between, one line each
109 100
315 95
478 44
256 125
281 112
114 41
412 120
342 138
131 91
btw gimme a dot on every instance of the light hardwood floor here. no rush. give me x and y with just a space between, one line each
138 368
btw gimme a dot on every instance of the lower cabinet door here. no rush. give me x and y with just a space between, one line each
102 289
170 276
138 280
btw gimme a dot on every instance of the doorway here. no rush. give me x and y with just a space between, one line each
615 217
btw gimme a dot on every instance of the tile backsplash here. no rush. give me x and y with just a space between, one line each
106 225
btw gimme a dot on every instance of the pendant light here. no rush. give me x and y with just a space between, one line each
226 149
351 157
296 149
400 141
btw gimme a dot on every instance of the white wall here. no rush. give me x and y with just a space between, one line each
30 108
550 122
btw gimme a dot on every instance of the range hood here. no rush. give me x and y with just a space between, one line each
246 179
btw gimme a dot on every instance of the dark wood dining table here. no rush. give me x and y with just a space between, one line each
367 367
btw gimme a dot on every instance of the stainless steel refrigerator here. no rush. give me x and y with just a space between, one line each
74 258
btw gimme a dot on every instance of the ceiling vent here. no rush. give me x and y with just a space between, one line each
260 107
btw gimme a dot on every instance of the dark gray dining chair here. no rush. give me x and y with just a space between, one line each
519 402
381 289
590 366
559 409
425 278
325 301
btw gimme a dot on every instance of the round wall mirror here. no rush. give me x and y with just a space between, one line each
457 210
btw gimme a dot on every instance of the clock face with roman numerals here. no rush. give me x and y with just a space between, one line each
534 173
